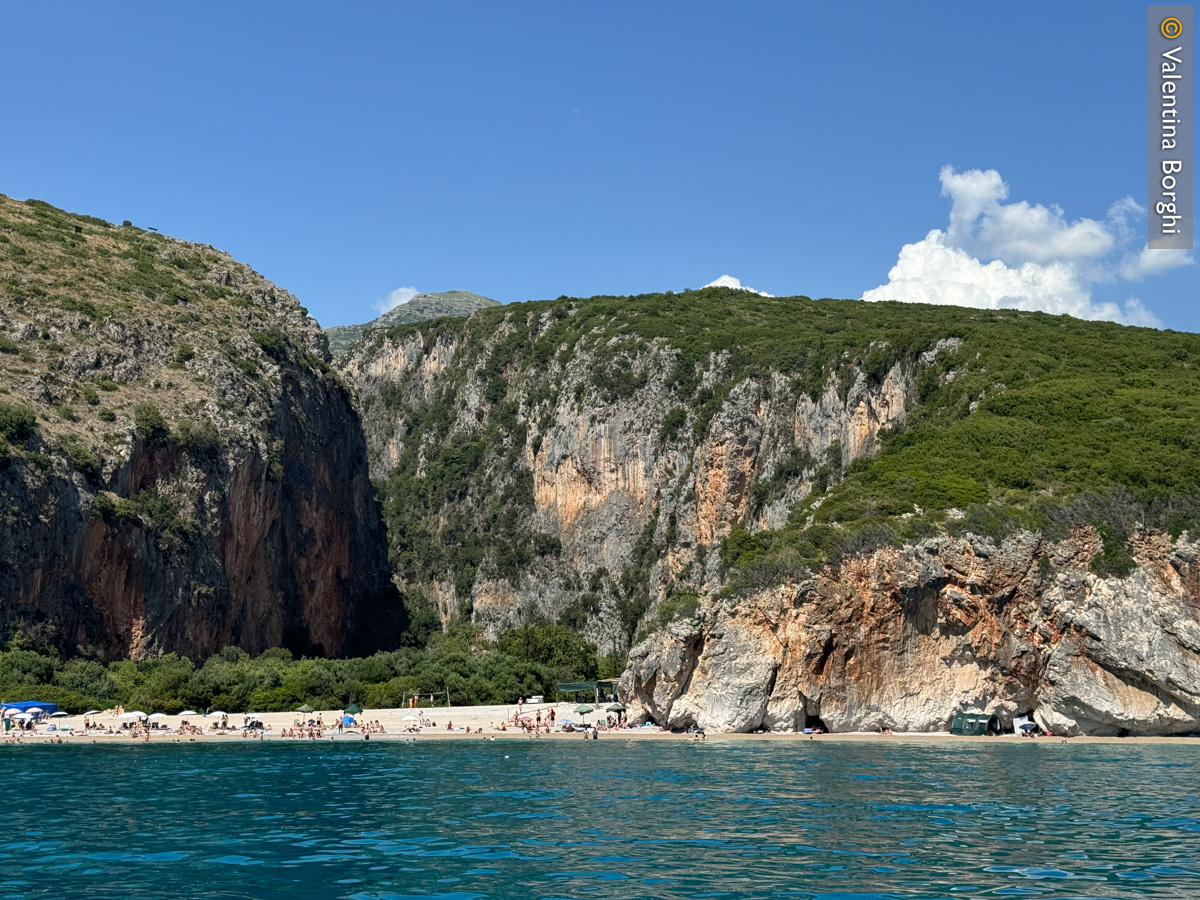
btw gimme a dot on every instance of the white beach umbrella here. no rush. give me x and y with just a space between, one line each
12 712
189 712
217 712
133 714
59 715
157 716
409 719
34 710
92 712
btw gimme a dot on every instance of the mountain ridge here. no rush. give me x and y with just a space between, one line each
417 309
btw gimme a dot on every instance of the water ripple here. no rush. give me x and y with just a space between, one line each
611 820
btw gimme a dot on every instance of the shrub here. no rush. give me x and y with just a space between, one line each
150 424
1114 558
184 353
89 396
671 423
16 422
201 441
273 343
106 415
83 459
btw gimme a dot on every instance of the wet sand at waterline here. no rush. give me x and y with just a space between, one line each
487 718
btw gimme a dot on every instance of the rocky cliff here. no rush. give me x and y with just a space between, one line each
180 469
904 637
870 514
623 464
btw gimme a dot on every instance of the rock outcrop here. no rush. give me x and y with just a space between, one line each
903 638
196 475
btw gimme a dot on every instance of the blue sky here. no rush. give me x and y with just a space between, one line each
530 150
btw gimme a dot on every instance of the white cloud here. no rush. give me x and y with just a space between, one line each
1153 262
1023 256
728 281
395 298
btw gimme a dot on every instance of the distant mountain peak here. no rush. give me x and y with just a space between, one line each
416 309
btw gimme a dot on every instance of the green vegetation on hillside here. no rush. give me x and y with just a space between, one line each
98 320
475 671
1012 421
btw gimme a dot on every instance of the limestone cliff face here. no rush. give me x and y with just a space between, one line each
903 638
196 475
633 504
267 557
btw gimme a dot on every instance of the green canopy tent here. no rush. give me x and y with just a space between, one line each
305 709
975 723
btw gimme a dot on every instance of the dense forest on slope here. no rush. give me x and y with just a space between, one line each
1013 419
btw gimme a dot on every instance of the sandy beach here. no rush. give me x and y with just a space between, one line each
464 723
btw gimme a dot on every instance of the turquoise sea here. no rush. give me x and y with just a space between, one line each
603 819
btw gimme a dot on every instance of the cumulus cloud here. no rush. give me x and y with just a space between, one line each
728 281
1019 255
1153 262
395 298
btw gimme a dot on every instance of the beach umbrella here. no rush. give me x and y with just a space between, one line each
583 709
34 710
189 712
92 712
615 707
134 714
409 719
11 712
217 712
347 720
157 716
59 715
305 709
353 709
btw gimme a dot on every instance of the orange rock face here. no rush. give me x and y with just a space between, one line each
256 556
902 639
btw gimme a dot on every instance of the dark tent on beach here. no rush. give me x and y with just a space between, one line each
974 723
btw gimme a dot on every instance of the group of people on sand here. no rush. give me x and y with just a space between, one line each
312 731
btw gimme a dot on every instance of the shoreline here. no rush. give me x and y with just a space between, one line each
484 724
